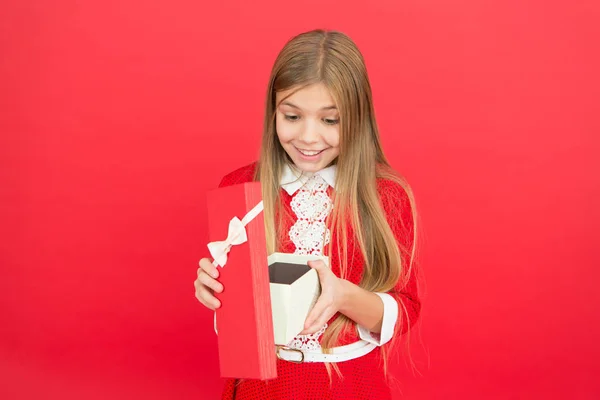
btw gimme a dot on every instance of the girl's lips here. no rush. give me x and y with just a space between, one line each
310 155
310 152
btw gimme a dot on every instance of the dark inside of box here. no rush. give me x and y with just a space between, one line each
286 273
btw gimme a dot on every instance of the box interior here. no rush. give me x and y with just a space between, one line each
286 273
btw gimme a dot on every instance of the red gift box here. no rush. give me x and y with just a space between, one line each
244 320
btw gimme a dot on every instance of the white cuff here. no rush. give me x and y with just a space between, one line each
390 316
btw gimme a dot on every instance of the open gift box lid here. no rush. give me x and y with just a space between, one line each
295 289
244 322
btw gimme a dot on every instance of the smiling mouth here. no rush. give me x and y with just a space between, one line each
310 152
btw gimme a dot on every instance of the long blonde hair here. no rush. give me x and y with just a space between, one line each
332 58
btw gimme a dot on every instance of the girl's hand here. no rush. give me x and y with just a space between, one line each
206 284
330 301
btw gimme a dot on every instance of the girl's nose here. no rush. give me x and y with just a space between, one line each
309 133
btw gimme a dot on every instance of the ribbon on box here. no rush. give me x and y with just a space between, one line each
236 235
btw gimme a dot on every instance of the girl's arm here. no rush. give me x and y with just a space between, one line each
379 316
363 307
401 305
386 313
405 293
339 295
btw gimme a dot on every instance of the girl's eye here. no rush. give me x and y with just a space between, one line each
292 117
330 121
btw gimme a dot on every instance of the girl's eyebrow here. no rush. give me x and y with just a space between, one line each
287 103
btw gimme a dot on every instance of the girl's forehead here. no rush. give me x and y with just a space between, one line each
316 96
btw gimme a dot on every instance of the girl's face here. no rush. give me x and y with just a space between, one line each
307 124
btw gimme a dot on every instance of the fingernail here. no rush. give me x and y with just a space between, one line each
215 274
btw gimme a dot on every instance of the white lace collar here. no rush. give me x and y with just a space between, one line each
292 179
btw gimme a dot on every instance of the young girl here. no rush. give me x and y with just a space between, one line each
328 189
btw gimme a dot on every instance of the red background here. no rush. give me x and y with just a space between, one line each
118 116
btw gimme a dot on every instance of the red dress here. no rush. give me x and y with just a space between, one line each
363 377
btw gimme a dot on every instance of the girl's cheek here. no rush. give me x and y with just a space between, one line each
285 132
332 138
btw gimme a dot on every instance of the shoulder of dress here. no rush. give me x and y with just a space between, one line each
394 192
241 175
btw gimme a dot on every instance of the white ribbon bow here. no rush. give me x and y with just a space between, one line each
236 235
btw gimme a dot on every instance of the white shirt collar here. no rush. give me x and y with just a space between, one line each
292 179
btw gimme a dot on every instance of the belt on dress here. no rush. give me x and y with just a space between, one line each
338 354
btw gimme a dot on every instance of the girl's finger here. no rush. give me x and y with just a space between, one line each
205 296
207 266
319 323
206 280
318 265
316 312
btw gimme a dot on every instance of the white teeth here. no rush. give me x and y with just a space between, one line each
309 153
